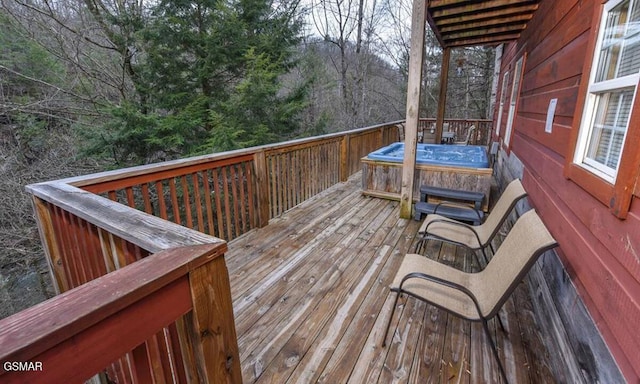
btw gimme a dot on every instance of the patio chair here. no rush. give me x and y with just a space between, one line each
474 237
400 128
468 138
475 296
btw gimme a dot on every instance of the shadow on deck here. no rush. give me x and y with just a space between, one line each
311 299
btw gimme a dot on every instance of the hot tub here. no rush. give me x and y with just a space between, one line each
469 156
449 166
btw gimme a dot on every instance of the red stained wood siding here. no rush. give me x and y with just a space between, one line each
600 252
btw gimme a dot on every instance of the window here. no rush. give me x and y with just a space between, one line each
603 158
515 90
503 97
611 90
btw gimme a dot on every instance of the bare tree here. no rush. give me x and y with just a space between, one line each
353 28
94 39
470 82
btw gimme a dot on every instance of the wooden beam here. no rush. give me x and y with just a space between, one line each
513 14
499 6
484 32
442 98
487 40
413 106
459 23
491 23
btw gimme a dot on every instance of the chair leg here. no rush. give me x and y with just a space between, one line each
475 255
493 252
500 321
421 244
418 245
484 254
393 310
495 350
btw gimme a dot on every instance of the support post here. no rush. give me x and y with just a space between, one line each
50 244
262 188
442 98
418 21
344 157
214 333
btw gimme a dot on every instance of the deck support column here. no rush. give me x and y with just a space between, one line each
442 97
418 21
262 188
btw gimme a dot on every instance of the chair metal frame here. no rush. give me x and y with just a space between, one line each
527 223
470 132
515 187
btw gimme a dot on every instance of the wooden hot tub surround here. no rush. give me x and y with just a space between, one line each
384 179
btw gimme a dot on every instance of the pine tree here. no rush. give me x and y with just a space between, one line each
210 71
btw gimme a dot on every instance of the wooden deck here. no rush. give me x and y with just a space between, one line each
311 299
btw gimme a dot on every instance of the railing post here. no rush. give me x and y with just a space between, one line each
52 251
262 188
476 133
344 158
212 328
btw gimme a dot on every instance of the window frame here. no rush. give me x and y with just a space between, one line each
514 98
503 99
616 193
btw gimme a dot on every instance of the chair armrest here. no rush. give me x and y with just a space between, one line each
455 204
456 223
441 281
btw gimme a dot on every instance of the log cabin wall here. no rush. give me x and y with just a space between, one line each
587 296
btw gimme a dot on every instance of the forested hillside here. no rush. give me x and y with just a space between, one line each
88 85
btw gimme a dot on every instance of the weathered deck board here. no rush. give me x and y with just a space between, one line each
311 301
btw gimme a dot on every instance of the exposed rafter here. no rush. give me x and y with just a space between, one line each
459 23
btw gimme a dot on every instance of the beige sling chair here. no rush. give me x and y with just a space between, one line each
475 296
474 237
470 132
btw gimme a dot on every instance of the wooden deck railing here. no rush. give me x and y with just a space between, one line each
228 194
87 237
93 225
165 319
482 135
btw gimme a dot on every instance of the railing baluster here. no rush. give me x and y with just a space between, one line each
175 206
226 193
244 219
141 369
186 199
147 199
197 202
162 206
207 202
233 200
216 188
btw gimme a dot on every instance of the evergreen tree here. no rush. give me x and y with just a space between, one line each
210 72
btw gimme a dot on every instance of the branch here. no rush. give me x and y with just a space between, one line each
42 82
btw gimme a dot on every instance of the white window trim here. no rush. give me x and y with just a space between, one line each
503 97
513 100
589 110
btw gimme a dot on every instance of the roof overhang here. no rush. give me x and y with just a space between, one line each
462 23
